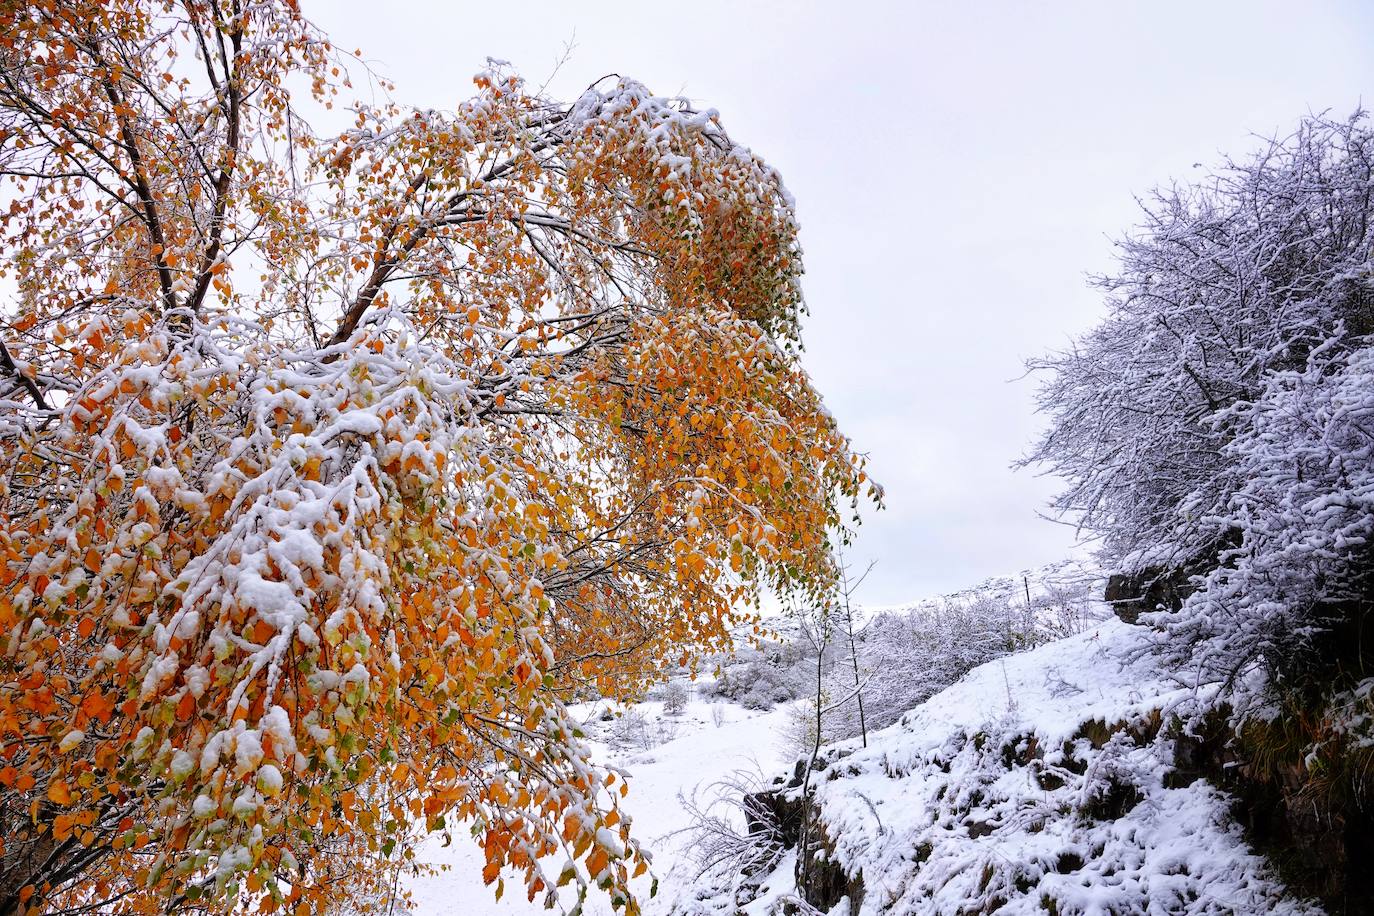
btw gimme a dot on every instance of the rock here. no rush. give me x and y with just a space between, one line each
781 813
1133 594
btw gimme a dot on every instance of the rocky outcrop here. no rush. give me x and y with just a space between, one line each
821 881
1322 844
1320 849
1133 594
782 813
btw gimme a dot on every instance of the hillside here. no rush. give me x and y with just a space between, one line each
1049 781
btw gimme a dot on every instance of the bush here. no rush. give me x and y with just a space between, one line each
635 731
760 678
675 696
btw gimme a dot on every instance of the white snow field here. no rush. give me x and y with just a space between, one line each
1036 784
700 754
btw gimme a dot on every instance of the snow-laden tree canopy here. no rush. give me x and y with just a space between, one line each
1219 420
332 466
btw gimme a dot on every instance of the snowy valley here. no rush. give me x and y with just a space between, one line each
700 752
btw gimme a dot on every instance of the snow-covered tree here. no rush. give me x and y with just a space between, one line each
1228 280
1303 570
331 465
1218 422
675 697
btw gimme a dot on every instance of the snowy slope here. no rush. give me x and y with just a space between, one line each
700 754
1037 784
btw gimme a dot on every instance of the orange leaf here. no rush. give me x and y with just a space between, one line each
58 793
187 707
97 706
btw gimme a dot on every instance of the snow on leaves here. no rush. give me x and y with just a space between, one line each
335 467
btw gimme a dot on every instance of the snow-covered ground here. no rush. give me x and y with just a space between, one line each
1038 783
700 753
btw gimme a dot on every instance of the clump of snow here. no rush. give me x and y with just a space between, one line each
202 807
197 680
276 724
182 765
247 750
247 802
269 780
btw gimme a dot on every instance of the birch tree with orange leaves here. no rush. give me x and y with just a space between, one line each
333 467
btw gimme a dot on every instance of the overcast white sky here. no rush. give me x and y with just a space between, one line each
958 168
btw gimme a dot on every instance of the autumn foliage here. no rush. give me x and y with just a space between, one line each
333 466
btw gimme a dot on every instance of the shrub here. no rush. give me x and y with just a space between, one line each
675 696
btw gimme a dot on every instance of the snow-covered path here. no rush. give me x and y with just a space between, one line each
700 754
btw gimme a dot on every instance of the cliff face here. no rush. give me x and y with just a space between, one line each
1059 781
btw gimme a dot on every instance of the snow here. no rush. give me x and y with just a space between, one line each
182 765
202 807
247 750
1001 792
197 680
269 780
700 754
1040 776
247 802
1057 686
276 724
